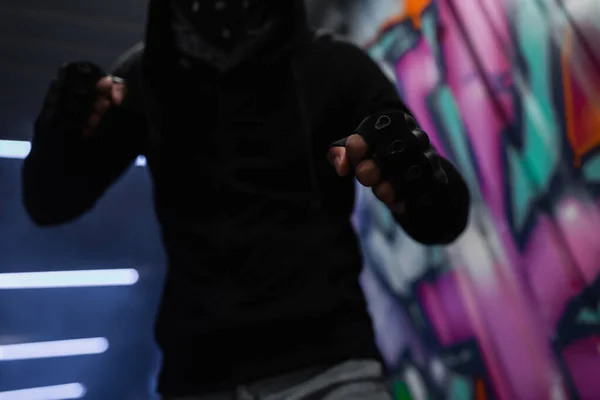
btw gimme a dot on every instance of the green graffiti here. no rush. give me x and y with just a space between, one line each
537 161
379 49
429 30
448 112
455 133
591 169
401 391
589 316
460 389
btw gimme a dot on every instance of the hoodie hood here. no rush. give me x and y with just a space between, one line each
222 34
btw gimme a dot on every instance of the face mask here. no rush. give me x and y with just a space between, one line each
220 32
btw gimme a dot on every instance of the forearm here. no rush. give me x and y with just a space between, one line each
84 138
442 221
49 181
62 176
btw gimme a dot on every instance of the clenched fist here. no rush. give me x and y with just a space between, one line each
79 98
392 155
110 92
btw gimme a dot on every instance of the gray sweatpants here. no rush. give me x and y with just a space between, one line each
351 380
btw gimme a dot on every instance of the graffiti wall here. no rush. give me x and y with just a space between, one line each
509 90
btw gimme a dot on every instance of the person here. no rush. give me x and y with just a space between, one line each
241 111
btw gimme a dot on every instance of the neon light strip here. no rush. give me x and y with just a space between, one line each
18 149
14 149
58 348
65 279
57 392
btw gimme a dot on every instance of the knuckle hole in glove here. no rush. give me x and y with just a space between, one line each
382 122
413 173
396 147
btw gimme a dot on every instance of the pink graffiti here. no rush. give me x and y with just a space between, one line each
507 329
534 282
514 320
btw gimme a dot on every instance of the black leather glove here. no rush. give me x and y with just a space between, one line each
70 99
403 153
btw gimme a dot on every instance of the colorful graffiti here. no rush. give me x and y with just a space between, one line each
510 91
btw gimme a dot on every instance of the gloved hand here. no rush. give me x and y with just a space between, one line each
390 154
78 99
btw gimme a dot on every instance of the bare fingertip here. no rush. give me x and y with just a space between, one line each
353 140
101 105
385 193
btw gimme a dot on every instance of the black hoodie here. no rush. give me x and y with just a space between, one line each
263 260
